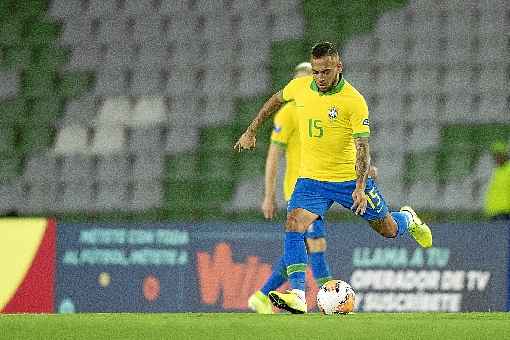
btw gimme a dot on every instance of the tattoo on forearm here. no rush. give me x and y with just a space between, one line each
269 107
362 158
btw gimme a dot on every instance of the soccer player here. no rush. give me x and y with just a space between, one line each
285 139
335 160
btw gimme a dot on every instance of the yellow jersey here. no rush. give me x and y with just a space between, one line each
285 133
327 123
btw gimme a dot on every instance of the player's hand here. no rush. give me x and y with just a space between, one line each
360 201
269 207
246 141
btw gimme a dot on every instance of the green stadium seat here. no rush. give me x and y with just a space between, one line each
9 168
7 140
30 9
41 33
216 165
13 112
35 138
182 194
73 85
11 32
182 167
16 57
215 193
46 111
217 139
50 56
39 82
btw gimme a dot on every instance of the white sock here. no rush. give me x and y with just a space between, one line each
300 293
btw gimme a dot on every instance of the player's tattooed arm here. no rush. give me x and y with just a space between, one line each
362 160
247 139
272 105
359 198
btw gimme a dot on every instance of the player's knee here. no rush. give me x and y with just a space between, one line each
316 245
386 227
389 230
293 224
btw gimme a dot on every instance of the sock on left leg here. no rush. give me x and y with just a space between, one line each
402 219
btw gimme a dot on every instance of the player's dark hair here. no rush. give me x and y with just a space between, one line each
324 49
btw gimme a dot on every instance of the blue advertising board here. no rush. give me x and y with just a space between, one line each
216 266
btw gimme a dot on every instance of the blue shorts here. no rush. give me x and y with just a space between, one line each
318 196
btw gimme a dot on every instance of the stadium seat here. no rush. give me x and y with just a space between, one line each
11 33
148 29
64 10
494 79
114 111
424 136
109 140
218 81
254 80
153 53
148 166
111 196
41 168
181 139
72 139
9 168
7 139
207 7
218 111
76 31
120 53
181 81
214 29
11 194
85 57
148 111
422 109
39 198
139 8
113 168
185 53
80 111
16 58
111 82
425 194
359 51
77 168
147 81
115 29
145 139
288 26
458 195
247 194
146 195
184 166
102 8
174 7
424 79
183 112
76 197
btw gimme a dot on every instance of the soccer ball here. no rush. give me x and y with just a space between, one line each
336 297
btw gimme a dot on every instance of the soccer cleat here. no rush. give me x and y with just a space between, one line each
418 230
288 301
260 303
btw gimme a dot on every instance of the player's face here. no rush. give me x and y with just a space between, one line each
325 71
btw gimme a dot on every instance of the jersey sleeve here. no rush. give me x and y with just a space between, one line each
283 125
289 91
359 118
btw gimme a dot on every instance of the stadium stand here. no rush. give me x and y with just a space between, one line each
133 105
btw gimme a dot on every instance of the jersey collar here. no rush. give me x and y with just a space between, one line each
337 88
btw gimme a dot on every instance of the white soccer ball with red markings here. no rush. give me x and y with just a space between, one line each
336 297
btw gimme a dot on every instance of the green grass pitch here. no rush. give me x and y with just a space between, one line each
253 326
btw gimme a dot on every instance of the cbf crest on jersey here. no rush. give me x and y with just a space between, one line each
333 113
